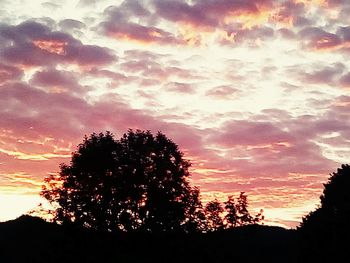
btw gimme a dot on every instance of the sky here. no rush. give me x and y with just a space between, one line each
255 93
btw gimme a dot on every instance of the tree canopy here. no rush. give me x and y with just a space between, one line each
139 182
327 228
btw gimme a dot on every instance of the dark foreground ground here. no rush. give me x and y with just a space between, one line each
31 240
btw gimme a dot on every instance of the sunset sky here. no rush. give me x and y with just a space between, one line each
256 93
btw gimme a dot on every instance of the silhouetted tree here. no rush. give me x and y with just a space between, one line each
231 217
237 214
195 219
243 215
213 212
139 182
326 231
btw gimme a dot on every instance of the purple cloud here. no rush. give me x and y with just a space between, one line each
34 44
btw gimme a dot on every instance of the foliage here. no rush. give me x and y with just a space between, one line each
327 229
213 211
139 182
231 218
237 214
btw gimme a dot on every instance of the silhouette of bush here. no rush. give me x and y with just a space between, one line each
137 183
325 232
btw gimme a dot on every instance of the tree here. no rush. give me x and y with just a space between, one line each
139 182
195 220
237 214
231 218
243 215
213 212
326 230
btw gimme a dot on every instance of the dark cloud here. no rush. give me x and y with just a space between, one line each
345 80
57 81
318 39
286 33
344 32
291 13
253 34
33 44
327 75
119 24
133 31
207 13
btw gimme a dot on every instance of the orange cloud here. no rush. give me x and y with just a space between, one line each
52 46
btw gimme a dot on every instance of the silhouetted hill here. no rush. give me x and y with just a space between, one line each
30 239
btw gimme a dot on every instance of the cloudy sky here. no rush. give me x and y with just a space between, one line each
256 93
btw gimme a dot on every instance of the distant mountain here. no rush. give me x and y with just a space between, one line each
30 239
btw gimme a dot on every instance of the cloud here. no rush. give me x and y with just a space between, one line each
207 13
119 25
87 3
344 32
345 81
51 6
136 32
33 44
315 38
291 13
180 88
146 22
252 35
327 75
31 114
9 73
251 133
57 81
222 92
70 24
104 73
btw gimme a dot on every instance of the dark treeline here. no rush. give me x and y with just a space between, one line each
32 240
130 200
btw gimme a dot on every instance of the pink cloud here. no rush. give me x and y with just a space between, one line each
9 73
251 133
178 87
222 92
